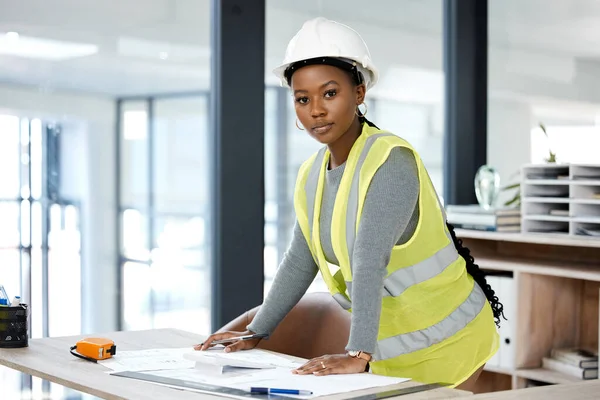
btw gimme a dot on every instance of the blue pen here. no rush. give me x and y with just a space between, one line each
264 390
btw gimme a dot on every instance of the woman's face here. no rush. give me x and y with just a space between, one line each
325 99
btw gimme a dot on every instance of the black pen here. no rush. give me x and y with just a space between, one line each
245 337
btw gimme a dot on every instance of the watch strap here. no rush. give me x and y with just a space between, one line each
361 354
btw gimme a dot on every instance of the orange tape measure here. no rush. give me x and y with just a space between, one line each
94 349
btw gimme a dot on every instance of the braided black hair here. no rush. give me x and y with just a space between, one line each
363 120
479 276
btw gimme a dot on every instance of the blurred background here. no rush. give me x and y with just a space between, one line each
104 139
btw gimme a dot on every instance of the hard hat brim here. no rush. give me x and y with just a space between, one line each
280 71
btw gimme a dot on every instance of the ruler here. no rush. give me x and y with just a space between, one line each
180 383
183 384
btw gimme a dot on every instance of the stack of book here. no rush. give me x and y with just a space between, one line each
478 218
576 362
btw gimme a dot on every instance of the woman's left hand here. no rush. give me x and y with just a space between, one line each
332 364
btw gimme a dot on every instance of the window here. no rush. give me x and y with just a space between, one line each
165 253
39 236
40 253
571 144
73 77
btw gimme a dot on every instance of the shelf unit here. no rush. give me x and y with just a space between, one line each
555 301
561 199
544 375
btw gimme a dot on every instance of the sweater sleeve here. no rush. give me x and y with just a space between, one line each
388 208
294 275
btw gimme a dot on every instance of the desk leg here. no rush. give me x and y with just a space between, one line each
518 382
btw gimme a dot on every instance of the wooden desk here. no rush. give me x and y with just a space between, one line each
587 390
50 359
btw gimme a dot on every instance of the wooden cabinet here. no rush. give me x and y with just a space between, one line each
554 300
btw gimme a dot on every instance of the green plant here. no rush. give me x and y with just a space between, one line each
552 155
516 199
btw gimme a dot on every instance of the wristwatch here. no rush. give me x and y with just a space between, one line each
360 354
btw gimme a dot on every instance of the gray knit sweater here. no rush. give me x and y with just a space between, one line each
390 215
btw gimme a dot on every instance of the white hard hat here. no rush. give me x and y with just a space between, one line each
321 41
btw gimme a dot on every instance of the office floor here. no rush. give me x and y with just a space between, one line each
18 386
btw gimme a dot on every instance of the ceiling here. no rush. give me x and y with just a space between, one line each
158 46
144 46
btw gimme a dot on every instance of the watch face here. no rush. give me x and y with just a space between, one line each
353 353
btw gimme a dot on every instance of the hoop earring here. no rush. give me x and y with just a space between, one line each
298 126
360 113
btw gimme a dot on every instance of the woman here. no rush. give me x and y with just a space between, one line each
368 218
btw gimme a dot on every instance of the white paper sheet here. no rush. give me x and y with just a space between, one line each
171 363
254 358
149 360
182 358
319 385
283 378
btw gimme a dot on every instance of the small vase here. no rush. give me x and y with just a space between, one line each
487 186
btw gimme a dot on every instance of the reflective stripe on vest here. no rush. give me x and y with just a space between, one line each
352 211
413 341
312 181
400 280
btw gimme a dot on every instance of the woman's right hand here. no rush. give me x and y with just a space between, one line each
235 344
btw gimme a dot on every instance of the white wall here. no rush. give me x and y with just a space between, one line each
88 166
508 145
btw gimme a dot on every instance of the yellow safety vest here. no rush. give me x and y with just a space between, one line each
436 324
